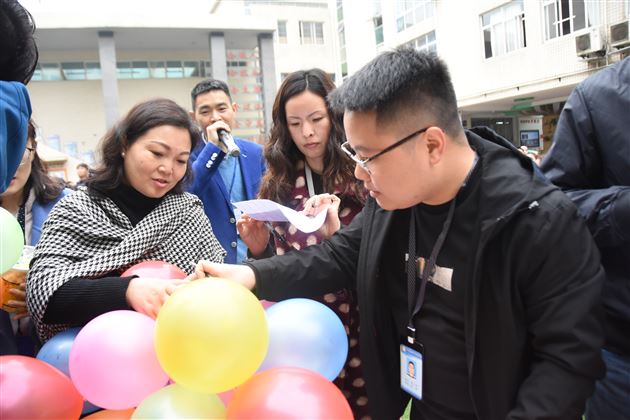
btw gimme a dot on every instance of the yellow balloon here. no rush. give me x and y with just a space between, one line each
211 335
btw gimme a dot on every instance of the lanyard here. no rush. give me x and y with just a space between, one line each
428 268
309 180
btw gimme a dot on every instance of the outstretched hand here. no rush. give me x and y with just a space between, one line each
242 274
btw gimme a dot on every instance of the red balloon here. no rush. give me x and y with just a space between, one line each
32 389
288 393
156 269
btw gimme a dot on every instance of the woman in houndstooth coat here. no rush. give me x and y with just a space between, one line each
134 209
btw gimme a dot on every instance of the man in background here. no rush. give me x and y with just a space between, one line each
590 161
221 179
83 172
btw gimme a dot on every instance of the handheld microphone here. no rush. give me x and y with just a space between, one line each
227 139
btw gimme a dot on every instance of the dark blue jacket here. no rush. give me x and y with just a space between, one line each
15 112
590 161
210 188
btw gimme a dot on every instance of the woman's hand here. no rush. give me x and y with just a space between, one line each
18 300
254 233
324 202
242 274
147 295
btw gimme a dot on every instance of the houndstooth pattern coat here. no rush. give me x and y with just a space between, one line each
88 236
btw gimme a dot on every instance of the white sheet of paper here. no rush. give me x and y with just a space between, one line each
270 211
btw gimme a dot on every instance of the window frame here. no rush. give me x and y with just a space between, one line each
499 29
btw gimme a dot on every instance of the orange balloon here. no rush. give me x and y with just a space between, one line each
112 414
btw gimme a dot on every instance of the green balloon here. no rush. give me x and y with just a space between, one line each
176 402
11 240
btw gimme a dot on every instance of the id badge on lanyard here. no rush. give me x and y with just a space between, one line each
411 359
412 351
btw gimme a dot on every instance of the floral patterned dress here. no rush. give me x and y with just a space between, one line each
343 302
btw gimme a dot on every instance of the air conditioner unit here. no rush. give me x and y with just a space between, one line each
589 43
619 34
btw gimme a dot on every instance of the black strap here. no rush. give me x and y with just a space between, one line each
429 267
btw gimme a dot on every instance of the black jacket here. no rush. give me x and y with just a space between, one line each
532 330
590 161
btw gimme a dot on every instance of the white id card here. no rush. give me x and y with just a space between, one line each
411 371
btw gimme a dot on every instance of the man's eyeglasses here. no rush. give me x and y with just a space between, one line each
27 155
363 162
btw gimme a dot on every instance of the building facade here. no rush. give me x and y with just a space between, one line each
513 63
98 59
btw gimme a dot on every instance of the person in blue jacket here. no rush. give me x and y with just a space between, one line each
30 196
590 161
221 179
17 64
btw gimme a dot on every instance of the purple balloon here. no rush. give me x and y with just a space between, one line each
113 362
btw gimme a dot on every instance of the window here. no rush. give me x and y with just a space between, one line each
339 10
424 42
410 12
563 17
504 29
90 70
342 50
378 29
93 71
51 71
73 71
311 32
282 31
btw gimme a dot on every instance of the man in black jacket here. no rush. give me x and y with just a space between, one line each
590 161
463 254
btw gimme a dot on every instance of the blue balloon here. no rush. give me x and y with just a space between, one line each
56 352
307 334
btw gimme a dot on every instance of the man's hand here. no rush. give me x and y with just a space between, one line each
242 274
325 202
254 233
213 135
147 295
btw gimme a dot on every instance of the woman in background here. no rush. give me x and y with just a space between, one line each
304 160
134 209
30 196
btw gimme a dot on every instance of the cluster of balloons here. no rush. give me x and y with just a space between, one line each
211 343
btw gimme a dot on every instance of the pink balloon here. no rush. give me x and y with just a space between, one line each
226 396
157 269
266 304
32 389
113 362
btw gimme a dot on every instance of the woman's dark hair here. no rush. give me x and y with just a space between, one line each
43 185
140 119
282 154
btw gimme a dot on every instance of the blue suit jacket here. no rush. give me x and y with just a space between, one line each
208 185
40 214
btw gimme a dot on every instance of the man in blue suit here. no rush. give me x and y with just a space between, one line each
221 179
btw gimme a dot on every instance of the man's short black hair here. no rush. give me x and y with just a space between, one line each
399 82
83 165
206 86
17 43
